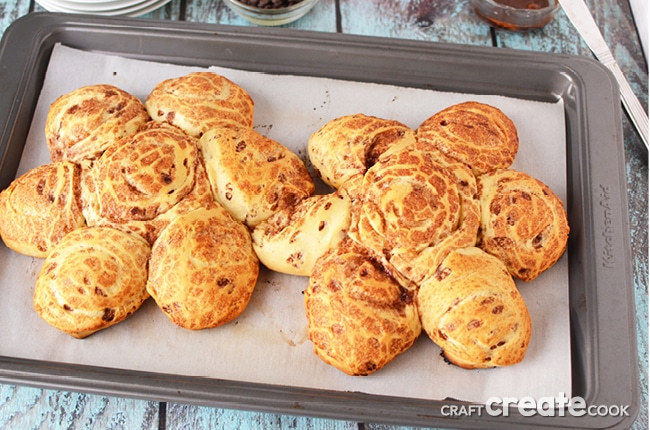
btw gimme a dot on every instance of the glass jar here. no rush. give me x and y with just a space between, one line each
516 15
271 16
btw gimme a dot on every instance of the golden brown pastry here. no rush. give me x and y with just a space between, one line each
200 101
359 317
40 207
472 309
141 176
81 124
203 269
200 196
292 239
417 204
251 175
523 222
477 134
351 144
93 279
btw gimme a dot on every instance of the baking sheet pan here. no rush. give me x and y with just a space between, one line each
602 328
290 108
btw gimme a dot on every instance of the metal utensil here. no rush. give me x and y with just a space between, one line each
581 17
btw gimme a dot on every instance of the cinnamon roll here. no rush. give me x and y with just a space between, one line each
80 125
251 175
417 205
477 134
523 222
200 101
203 269
40 207
292 239
351 144
140 177
359 316
93 279
472 309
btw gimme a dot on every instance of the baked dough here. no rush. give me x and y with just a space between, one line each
203 269
359 317
40 207
200 196
477 134
94 278
472 309
200 101
351 144
251 175
141 176
80 125
417 205
292 239
523 222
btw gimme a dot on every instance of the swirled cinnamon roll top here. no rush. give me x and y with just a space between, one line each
351 144
477 134
93 279
199 101
203 270
417 204
359 317
523 222
40 207
141 176
472 309
81 124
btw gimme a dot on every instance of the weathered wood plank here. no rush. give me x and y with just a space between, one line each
33 408
205 418
10 11
438 21
171 11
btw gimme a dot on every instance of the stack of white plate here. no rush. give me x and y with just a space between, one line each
103 7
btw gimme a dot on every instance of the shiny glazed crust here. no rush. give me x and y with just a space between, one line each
149 229
93 279
350 145
199 101
477 134
40 207
81 124
417 205
141 176
472 309
359 317
251 175
523 222
203 269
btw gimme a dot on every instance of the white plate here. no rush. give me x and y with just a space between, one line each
89 3
135 9
98 6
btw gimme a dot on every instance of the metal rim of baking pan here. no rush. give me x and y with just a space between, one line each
602 310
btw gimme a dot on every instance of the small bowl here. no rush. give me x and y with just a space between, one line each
271 17
516 18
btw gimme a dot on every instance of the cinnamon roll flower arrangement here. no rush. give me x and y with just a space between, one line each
180 199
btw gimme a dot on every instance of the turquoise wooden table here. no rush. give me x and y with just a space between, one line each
430 20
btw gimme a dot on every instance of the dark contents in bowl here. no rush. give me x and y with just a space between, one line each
270 4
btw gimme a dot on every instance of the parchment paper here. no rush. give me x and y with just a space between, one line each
268 342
